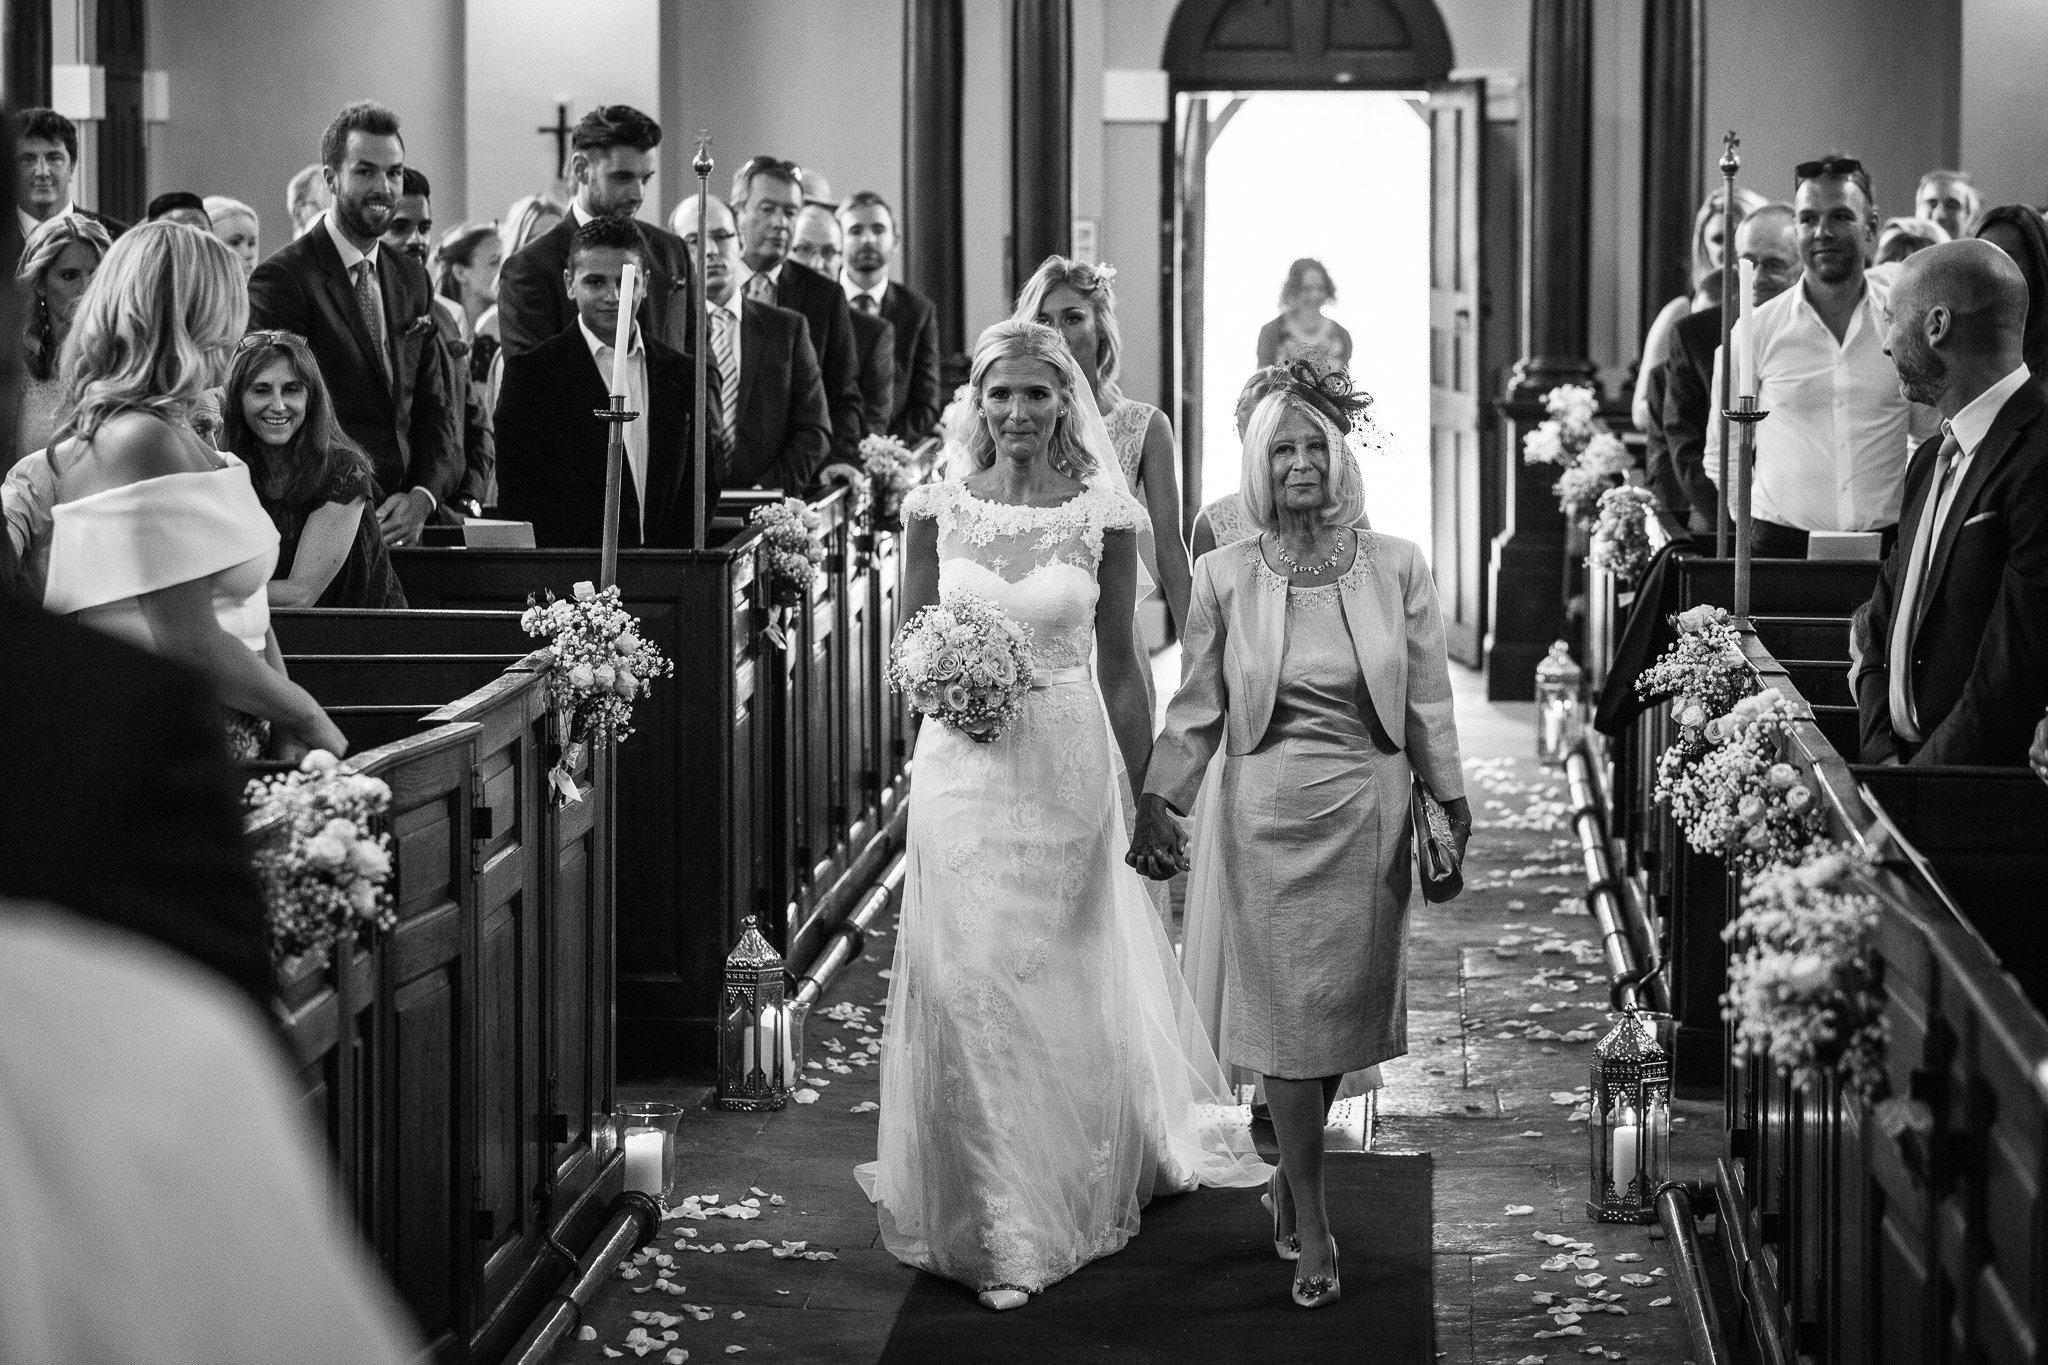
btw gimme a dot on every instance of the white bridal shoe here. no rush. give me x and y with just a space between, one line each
1002 1298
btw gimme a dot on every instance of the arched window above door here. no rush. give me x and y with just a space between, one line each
1307 44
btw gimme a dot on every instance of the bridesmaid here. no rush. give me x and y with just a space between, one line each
1315 660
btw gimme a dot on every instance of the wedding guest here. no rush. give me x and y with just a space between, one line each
410 230
234 222
278 419
1225 521
1901 237
767 194
552 446
1708 238
1315 659
155 538
611 159
1833 455
339 288
531 217
819 245
1768 238
1078 300
45 156
308 197
771 397
1948 200
179 206
2021 233
57 263
1951 662
1301 332
871 241
466 283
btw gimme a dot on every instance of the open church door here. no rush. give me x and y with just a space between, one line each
1456 113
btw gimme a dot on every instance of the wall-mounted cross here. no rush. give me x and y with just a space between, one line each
560 133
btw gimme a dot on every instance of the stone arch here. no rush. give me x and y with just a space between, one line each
1307 45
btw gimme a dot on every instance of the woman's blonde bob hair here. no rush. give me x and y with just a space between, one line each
1024 340
1093 285
153 329
1344 484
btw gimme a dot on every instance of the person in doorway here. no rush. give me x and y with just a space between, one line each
819 244
234 222
45 156
1709 227
871 241
1301 332
1948 200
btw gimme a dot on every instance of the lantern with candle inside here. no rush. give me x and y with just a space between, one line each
754 1063
1630 1121
648 1134
1558 678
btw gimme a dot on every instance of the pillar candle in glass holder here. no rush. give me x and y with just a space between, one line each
625 332
1627 1138
643 1160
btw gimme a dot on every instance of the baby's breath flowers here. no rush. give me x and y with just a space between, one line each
1621 532
1740 799
598 665
323 880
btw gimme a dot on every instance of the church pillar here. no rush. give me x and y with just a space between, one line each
1042 120
934 58
1674 55
1528 560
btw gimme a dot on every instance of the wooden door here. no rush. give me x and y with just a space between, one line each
1457 111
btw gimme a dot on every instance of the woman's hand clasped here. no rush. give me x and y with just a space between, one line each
1460 815
1158 845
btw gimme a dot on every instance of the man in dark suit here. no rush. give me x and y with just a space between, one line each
767 195
819 245
870 245
775 403
46 155
1677 461
367 312
611 160
1950 655
551 444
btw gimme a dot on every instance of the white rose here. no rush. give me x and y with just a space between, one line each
328 855
1799 798
585 590
369 861
626 684
363 897
342 831
629 643
581 677
318 761
604 675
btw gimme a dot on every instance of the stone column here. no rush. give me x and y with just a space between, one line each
934 59
1674 52
1528 560
1041 133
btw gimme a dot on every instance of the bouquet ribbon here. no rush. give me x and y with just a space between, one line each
1060 676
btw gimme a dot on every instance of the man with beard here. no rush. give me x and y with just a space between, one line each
819 245
871 241
1951 659
411 230
1832 457
368 314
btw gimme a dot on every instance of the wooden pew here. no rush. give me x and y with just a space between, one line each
379 673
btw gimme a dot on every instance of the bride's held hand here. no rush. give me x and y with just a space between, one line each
1158 844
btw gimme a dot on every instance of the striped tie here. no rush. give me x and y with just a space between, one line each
728 369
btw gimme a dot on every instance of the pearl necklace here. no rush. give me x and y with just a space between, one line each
1296 566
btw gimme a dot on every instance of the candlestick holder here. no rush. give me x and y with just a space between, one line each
618 414
1745 414
700 340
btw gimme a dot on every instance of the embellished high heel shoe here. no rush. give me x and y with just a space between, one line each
1003 1298
1287 1248
1317 1291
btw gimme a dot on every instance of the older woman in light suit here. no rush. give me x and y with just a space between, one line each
1315 658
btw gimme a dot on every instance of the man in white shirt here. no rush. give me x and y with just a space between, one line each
45 155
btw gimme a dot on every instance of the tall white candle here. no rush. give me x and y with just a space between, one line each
1745 362
625 332
771 1045
748 1061
643 1161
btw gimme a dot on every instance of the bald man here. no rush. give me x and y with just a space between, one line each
1950 655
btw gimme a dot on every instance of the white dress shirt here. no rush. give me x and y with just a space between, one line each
1832 454
636 401
854 292
29 222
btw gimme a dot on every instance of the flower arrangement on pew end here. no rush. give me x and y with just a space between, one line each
1740 799
795 549
1702 675
966 664
1802 982
323 881
1594 458
892 473
1621 533
598 665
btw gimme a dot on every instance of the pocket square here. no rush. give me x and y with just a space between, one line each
1981 516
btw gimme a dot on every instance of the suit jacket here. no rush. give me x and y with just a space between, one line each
1679 478
823 305
874 340
785 434
132 816
534 306
409 426
479 441
1237 633
918 400
1980 651
551 448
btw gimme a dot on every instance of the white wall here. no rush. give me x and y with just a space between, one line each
2004 52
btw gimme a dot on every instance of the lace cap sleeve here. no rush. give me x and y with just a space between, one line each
1116 510
928 499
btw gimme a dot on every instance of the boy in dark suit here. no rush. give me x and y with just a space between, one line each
551 443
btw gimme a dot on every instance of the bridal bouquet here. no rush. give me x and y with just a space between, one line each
323 881
597 667
891 474
965 663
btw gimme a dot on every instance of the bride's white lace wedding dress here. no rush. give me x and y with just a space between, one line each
1043 1071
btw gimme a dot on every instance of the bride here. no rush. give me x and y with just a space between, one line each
1044 1073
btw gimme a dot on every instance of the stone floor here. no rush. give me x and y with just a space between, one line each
1476 1090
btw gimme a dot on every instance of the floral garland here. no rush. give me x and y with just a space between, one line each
1703 675
892 472
1594 458
598 665
1739 799
1802 982
323 882
793 550
1621 533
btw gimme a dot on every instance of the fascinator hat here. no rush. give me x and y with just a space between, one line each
1329 391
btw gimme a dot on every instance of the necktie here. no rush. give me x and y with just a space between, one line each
864 302
761 288
370 301
728 367
1906 611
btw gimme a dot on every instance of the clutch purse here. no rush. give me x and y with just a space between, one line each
1436 848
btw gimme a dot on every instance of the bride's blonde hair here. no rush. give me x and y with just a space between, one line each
1018 339
153 329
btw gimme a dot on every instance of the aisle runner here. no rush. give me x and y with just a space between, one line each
1200 1282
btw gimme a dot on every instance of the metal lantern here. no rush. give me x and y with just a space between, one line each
1630 1121
753 1047
1558 679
